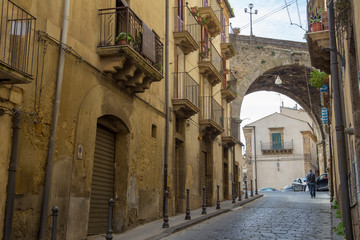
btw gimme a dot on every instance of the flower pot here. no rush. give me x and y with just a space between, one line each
121 42
193 11
325 20
315 26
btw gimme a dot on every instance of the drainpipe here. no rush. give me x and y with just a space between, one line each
50 159
256 189
339 126
234 180
166 150
10 194
331 168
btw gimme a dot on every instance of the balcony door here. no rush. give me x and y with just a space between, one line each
180 16
204 43
276 140
120 17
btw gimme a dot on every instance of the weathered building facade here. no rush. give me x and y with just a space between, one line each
338 34
90 84
279 148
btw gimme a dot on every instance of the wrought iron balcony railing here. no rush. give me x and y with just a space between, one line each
271 146
209 53
214 4
317 17
235 128
185 21
211 109
17 38
186 88
121 26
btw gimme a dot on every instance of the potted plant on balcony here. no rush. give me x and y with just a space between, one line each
203 21
121 38
315 24
236 30
315 21
318 79
325 20
204 53
195 11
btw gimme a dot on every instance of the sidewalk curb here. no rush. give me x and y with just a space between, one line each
192 222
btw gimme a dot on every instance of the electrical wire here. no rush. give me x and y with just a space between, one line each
287 9
298 11
269 14
297 5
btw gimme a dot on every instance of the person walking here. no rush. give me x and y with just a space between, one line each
310 180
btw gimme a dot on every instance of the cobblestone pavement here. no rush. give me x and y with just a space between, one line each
277 215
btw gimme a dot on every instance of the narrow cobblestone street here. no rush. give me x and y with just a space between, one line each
277 215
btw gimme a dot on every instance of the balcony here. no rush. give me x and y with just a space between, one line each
130 52
210 63
230 137
227 50
186 32
228 91
186 95
318 37
276 148
17 40
211 118
210 15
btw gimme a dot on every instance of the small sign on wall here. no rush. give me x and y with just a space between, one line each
324 115
79 152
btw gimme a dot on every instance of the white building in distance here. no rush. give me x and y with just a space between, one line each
280 148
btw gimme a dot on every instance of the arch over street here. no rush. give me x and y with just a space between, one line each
257 64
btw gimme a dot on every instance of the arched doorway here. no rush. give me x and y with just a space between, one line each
109 175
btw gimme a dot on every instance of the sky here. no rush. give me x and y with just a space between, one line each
278 26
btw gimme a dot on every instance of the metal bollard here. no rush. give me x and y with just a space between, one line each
166 217
55 212
233 192
246 190
187 216
251 188
204 202
239 191
256 190
218 200
109 230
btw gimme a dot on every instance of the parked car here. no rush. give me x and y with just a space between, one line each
269 189
288 188
322 182
299 184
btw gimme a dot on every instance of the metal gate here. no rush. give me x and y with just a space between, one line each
102 185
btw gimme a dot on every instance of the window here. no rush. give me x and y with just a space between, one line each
153 131
19 28
276 141
180 15
223 35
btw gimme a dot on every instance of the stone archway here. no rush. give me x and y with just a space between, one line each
260 60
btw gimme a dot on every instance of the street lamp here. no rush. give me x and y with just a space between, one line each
278 80
251 13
